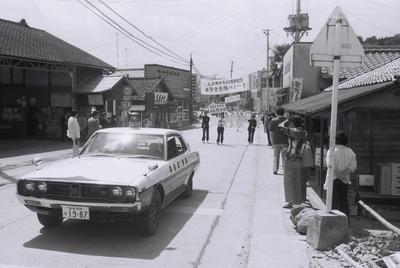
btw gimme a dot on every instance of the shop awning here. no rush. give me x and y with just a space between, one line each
98 84
322 101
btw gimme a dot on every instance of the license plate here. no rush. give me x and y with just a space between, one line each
72 212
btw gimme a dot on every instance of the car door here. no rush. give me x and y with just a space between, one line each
176 155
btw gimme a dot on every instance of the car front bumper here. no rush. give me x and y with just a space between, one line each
97 210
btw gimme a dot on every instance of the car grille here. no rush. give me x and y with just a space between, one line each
78 192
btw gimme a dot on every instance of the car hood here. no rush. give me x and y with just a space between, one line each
108 170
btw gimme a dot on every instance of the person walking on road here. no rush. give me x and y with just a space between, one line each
344 163
252 128
93 123
220 129
74 132
292 177
279 139
205 125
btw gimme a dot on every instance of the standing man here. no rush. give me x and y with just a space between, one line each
279 139
74 132
252 128
292 177
93 123
205 125
220 129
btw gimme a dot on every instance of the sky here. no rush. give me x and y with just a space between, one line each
215 32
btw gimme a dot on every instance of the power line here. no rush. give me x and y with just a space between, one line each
123 31
138 39
142 32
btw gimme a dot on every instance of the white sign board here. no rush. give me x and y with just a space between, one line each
322 51
138 108
223 86
296 89
160 98
215 108
288 67
232 98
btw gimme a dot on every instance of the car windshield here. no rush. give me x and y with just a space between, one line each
125 145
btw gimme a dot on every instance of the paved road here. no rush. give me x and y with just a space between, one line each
234 219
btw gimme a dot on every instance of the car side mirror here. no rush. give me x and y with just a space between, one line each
153 167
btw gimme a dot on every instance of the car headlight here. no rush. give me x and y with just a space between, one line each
42 187
116 191
130 192
29 186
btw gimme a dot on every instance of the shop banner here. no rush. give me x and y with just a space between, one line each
296 89
160 98
215 108
223 86
232 98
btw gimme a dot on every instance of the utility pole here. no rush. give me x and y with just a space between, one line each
117 51
231 68
126 58
267 32
298 24
191 91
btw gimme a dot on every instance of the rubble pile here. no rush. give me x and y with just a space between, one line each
363 250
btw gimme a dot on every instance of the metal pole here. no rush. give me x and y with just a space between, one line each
332 135
298 24
191 91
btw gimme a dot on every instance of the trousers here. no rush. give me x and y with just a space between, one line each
220 132
251 135
340 199
75 148
278 148
292 181
205 133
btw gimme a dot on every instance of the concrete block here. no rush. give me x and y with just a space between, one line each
328 230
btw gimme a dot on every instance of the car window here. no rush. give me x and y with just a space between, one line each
175 146
125 145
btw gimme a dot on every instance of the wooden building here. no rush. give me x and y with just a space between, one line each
38 75
368 111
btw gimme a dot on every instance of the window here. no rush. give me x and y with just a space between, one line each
5 76
175 146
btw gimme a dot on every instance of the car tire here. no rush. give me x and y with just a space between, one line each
189 188
149 220
49 221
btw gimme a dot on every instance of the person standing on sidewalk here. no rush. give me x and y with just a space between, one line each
343 165
93 123
279 139
220 129
205 125
74 132
292 177
252 128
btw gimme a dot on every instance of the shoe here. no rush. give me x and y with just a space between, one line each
203 141
288 205
275 172
217 143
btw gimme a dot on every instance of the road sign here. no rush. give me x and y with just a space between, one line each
350 50
160 97
232 98
336 45
126 105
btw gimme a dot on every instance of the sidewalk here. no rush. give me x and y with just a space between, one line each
274 242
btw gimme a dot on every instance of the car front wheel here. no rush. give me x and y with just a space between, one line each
150 219
49 220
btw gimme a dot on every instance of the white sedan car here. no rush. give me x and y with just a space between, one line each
120 173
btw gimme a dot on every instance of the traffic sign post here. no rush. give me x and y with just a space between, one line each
336 45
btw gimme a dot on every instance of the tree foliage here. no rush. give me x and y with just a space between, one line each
277 59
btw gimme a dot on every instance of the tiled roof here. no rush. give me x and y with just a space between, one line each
98 84
321 102
381 74
144 85
372 59
21 41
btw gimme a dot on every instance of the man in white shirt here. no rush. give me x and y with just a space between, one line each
344 163
74 132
